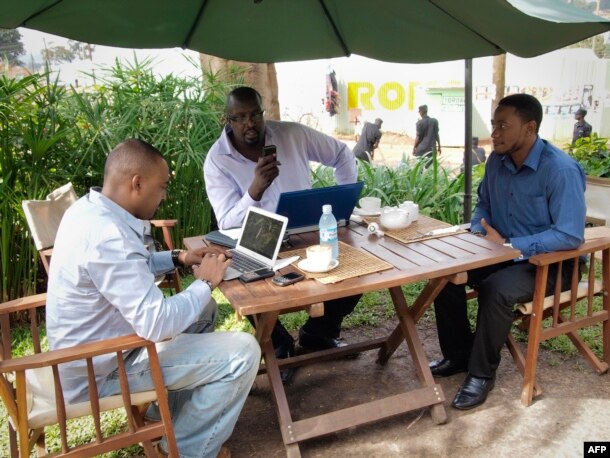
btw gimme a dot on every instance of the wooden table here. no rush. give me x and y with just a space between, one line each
437 260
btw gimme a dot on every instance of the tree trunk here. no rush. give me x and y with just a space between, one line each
261 77
499 79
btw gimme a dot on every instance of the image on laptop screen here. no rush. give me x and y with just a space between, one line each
261 233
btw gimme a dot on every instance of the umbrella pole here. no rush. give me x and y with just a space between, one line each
468 140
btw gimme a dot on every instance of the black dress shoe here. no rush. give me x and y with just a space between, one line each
286 350
446 367
313 342
473 392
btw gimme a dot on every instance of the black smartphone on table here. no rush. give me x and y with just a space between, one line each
269 149
287 279
256 275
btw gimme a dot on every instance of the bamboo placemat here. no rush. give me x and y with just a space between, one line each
352 263
416 230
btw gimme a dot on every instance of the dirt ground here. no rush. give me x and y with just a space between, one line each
573 408
393 147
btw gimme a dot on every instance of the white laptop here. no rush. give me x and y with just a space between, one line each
259 243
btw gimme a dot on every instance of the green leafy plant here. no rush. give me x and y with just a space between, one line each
592 154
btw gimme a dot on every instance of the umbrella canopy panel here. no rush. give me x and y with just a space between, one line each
416 31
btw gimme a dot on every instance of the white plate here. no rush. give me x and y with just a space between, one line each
304 265
361 212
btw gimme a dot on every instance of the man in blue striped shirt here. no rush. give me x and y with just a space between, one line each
532 199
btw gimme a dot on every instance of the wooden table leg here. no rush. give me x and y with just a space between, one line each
420 305
265 324
416 348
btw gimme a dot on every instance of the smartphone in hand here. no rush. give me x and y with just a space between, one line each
269 149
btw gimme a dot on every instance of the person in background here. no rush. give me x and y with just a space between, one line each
532 198
102 285
581 127
478 152
368 141
237 176
427 140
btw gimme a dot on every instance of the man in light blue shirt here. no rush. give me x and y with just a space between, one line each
102 285
531 198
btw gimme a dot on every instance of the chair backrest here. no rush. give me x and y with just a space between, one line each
30 388
44 216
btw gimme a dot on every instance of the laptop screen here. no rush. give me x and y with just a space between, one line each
262 234
304 208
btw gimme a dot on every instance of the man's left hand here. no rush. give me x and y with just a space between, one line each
193 257
492 234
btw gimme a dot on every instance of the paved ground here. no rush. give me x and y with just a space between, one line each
574 408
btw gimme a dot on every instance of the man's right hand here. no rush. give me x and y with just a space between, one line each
267 170
212 268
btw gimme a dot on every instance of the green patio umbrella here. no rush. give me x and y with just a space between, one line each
415 31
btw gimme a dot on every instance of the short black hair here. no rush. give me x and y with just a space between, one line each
527 106
243 94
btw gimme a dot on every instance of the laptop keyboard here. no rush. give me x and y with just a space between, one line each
244 263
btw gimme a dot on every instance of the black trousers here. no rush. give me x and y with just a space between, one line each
328 325
500 287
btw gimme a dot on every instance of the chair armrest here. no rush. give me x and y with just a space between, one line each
23 303
77 352
163 222
587 247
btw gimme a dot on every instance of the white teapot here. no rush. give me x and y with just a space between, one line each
395 218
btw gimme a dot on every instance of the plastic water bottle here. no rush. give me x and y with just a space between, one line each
328 229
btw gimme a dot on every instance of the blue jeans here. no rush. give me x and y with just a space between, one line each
208 375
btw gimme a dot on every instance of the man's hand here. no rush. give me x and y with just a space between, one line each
267 170
194 257
212 268
492 234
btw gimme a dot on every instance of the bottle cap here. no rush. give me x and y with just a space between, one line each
327 208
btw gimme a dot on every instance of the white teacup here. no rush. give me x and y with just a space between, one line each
412 208
394 218
319 256
370 204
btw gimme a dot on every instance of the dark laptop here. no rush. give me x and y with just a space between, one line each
304 208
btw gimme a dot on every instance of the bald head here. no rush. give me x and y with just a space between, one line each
136 177
243 95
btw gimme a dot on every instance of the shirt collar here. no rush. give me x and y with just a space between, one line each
96 197
532 160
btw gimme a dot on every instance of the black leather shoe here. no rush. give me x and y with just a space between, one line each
312 342
286 350
473 392
446 367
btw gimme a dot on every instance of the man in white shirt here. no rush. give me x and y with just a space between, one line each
102 285
237 177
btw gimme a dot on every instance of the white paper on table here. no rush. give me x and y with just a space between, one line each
281 263
446 230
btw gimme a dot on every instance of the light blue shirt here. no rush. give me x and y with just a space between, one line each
102 285
540 207
228 174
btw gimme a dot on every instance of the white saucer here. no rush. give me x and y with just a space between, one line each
361 212
304 265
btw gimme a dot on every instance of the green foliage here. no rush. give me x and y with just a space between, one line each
592 154
50 135
11 46
439 192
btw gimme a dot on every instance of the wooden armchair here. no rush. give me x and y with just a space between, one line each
30 388
43 218
566 312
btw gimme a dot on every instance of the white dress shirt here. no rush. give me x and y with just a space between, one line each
102 285
228 174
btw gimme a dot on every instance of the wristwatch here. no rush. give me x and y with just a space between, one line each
175 257
508 244
479 233
210 284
